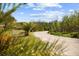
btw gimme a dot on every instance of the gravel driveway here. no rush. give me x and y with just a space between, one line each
71 43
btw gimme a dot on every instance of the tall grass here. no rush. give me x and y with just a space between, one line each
27 46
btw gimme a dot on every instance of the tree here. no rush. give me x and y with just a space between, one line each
27 27
6 9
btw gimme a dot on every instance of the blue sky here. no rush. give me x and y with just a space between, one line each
44 11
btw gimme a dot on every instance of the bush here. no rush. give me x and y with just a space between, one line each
5 40
66 34
75 34
56 33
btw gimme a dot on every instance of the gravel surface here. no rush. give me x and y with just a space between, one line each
71 43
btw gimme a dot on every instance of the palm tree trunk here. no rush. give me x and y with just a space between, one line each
26 33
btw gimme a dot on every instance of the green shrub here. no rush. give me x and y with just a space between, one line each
56 33
75 34
66 34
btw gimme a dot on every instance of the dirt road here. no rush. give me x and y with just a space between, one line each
72 43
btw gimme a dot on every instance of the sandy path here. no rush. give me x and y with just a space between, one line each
72 43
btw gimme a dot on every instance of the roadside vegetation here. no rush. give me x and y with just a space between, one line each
69 26
29 46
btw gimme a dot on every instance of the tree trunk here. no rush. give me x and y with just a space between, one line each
26 33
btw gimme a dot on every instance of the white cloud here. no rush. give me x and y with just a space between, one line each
31 4
71 10
38 8
51 5
56 15
21 13
49 15
41 6
45 5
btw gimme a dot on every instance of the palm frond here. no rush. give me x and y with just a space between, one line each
10 11
0 6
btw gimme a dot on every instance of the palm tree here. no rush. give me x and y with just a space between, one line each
9 22
5 12
28 27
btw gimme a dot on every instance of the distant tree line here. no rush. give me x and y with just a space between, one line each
68 24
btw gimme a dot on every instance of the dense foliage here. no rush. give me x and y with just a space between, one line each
69 25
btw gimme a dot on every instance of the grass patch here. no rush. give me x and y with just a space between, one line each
29 46
66 34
